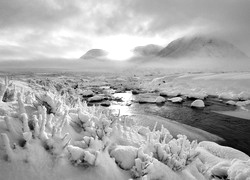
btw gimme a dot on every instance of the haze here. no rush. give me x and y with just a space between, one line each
42 29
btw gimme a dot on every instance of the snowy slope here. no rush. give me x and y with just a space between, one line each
201 46
148 50
94 53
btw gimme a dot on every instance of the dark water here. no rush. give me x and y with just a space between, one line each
235 131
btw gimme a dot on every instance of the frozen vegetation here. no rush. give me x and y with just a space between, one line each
48 132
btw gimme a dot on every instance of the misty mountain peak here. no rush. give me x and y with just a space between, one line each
94 53
201 46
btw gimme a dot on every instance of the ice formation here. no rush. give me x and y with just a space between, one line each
7 90
3 87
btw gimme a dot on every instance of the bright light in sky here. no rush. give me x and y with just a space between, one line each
120 47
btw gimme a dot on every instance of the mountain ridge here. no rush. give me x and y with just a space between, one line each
94 53
201 46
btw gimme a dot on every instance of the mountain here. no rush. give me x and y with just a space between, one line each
94 54
201 46
148 50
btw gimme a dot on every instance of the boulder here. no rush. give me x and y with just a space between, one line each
198 104
87 93
106 103
160 100
135 92
169 93
233 103
96 98
176 99
146 98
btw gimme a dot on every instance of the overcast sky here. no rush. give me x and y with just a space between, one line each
68 28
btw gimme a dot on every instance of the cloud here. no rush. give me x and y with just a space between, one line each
66 28
229 19
36 13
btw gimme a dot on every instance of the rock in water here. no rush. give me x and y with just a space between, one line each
106 103
160 100
87 93
230 102
198 104
176 99
96 98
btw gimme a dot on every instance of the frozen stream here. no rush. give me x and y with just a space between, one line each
235 131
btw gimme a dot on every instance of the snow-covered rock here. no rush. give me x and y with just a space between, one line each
143 130
169 93
229 95
197 95
231 102
244 95
106 103
76 153
233 170
134 91
145 98
160 100
96 98
198 103
124 156
87 93
175 99
242 103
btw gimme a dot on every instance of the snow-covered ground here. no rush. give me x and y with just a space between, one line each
233 86
224 85
45 136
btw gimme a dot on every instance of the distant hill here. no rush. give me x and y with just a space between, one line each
148 50
201 46
94 53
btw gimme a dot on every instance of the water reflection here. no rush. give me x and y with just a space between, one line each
123 107
126 97
124 110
